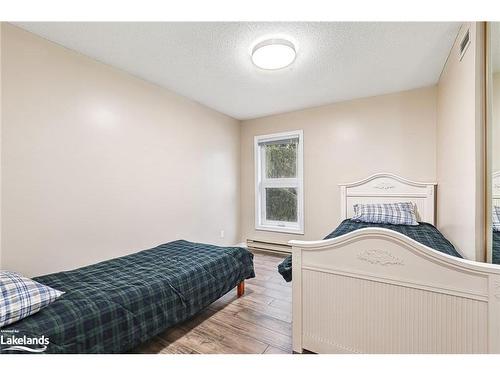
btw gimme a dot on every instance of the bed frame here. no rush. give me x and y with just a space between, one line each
375 290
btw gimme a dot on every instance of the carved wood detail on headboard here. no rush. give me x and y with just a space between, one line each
389 188
495 189
496 183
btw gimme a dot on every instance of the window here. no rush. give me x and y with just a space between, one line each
279 204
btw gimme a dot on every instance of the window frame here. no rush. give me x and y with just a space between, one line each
261 183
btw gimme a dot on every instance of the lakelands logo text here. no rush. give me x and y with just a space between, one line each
23 343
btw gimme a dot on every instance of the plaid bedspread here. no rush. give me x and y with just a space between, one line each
496 248
424 233
113 306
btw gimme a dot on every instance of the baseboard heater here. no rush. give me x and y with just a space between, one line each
273 247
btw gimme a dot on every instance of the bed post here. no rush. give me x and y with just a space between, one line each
493 314
241 288
297 346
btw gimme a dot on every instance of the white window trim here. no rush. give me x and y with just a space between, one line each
298 183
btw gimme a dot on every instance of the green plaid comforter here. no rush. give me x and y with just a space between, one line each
424 233
496 248
113 306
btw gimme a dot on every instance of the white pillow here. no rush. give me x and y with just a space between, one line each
21 297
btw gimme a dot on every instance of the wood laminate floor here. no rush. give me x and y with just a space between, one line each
258 322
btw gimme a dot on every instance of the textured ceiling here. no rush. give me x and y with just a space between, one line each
210 62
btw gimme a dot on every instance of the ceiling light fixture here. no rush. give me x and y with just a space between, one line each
273 54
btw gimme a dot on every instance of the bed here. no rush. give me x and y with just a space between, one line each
426 234
376 290
115 305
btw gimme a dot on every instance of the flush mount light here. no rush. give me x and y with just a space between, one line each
273 54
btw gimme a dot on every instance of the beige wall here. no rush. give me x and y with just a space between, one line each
345 142
97 163
460 168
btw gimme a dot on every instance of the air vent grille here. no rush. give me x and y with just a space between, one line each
464 44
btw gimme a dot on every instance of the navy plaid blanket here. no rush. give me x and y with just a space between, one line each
496 248
115 305
424 233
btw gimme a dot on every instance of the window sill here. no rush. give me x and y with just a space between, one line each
269 228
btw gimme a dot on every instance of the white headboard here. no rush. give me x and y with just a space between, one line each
389 188
495 190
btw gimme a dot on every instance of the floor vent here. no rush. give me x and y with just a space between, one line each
269 246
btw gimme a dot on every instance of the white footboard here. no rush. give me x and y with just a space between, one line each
377 291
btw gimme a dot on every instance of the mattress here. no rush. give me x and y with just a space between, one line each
115 305
424 233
